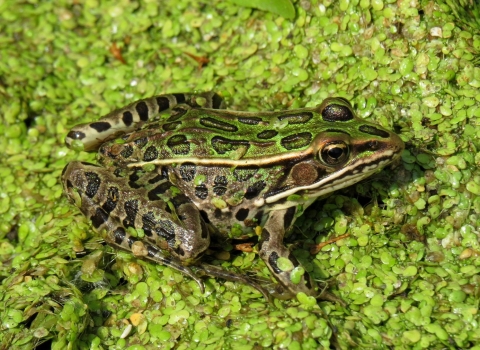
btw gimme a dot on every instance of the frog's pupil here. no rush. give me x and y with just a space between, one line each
335 152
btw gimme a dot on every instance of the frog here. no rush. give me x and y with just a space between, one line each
179 173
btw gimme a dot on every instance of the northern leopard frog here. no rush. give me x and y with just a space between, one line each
188 173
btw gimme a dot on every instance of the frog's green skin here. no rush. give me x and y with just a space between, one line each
202 173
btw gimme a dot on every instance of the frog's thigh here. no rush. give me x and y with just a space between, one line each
272 248
113 206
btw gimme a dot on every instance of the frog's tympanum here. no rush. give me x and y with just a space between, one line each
190 174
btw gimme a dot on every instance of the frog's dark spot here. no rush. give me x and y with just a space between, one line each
171 126
289 216
296 141
152 251
255 189
127 151
218 124
249 120
217 101
272 261
297 118
148 221
180 251
223 145
188 171
201 191
274 191
243 174
118 172
293 260
220 180
99 218
160 189
180 199
167 231
220 184
157 178
242 214
258 216
131 240
119 235
177 113
150 154
112 198
204 216
167 261
219 191
151 126
127 118
217 213
76 135
141 142
131 209
164 172
69 184
371 130
179 97
255 221
267 134
132 179
179 144
93 183
265 235
100 126
337 113
142 110
163 103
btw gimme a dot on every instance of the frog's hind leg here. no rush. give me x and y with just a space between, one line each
217 272
133 116
123 240
174 234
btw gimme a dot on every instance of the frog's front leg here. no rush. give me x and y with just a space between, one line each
175 235
272 248
133 116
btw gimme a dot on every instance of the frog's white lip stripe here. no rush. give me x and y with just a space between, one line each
345 177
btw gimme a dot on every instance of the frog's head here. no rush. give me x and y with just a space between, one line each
345 150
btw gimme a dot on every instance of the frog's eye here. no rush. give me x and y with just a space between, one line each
337 113
334 153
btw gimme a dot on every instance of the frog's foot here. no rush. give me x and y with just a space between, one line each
148 251
272 251
217 272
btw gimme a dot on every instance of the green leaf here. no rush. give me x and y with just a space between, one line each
283 8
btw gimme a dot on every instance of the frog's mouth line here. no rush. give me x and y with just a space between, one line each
343 178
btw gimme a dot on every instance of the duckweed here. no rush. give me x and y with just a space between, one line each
407 268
